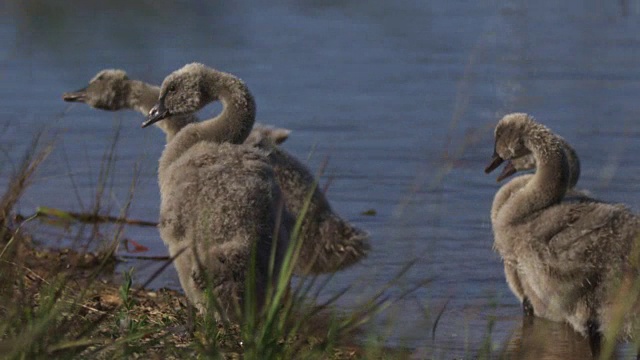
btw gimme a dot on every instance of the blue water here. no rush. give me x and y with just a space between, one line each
400 97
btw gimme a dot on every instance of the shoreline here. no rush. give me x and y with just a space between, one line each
100 314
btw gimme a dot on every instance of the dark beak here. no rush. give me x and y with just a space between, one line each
508 170
495 162
157 113
75 96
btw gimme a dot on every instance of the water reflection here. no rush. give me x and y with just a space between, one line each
540 339
529 339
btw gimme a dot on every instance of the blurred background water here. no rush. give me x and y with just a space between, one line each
400 97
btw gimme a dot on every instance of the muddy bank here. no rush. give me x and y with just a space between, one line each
86 310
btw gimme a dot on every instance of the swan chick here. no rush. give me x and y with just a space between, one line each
573 260
113 90
219 198
329 242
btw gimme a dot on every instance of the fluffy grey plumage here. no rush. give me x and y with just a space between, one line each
573 260
111 89
219 199
528 162
261 132
329 243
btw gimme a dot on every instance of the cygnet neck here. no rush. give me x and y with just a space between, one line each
548 185
142 96
238 114
232 125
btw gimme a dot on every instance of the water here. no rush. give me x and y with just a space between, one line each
401 97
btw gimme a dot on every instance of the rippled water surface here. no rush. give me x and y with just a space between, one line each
399 97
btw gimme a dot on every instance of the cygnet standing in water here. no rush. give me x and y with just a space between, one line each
219 198
528 162
575 261
111 89
329 243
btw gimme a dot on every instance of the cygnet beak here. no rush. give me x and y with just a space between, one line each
75 96
157 113
507 171
495 162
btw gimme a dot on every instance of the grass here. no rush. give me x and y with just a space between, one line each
68 304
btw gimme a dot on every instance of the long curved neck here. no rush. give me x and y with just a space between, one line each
232 125
549 183
143 96
574 163
238 115
506 191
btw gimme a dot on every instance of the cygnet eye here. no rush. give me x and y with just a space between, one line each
172 88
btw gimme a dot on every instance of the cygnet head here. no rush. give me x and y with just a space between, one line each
108 90
528 162
522 163
184 91
510 142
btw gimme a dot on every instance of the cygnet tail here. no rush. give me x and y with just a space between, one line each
343 245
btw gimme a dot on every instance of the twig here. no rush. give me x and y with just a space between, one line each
43 211
33 273
145 257
435 323
40 278
162 268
